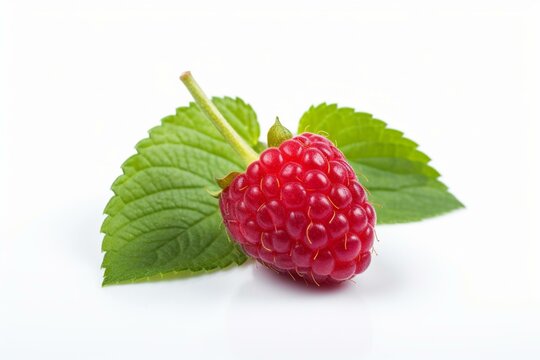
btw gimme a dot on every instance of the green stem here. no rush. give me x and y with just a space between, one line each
212 113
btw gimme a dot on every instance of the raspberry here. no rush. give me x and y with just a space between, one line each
300 209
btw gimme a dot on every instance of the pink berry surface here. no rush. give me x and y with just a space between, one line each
300 209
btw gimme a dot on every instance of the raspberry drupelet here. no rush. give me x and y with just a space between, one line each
300 209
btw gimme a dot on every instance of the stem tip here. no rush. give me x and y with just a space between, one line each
185 75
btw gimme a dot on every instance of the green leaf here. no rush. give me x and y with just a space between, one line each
403 186
162 220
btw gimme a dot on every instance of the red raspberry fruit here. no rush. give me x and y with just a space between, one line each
300 209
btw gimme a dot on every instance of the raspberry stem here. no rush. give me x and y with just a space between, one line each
208 108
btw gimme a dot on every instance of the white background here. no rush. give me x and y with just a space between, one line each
82 81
